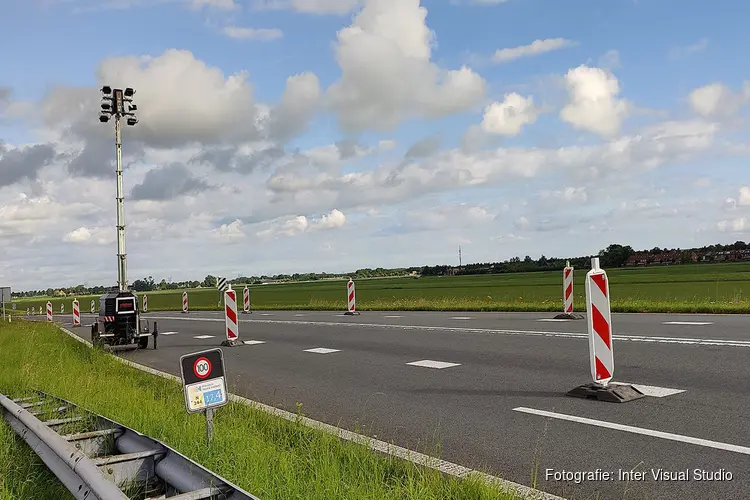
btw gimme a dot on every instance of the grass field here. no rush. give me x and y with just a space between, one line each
698 288
268 456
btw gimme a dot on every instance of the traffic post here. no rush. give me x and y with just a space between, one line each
184 302
145 303
568 294
204 384
351 303
76 313
49 310
93 307
246 301
601 349
230 319
62 308
40 310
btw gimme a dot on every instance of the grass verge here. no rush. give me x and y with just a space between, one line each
268 456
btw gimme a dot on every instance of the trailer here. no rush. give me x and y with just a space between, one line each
119 322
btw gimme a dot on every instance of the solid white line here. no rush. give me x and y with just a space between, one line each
428 363
640 430
622 337
393 316
652 390
322 350
696 323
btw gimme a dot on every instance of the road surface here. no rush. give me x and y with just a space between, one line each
490 390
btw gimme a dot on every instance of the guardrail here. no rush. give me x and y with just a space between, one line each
97 458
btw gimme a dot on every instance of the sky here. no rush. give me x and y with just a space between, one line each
283 136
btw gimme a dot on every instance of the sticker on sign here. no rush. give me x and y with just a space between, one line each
203 380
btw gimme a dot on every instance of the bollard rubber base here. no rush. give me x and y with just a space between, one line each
609 393
568 316
231 343
247 312
349 313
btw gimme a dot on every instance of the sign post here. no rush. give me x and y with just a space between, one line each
601 348
204 384
5 296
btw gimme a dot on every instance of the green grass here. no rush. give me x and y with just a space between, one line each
696 288
268 456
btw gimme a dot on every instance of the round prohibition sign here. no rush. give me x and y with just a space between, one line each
202 367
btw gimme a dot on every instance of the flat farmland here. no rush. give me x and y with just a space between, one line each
700 288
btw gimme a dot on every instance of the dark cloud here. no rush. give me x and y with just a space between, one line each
17 164
347 148
229 160
168 182
424 147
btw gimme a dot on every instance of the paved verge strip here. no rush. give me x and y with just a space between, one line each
374 444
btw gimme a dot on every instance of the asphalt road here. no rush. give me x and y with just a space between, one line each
484 412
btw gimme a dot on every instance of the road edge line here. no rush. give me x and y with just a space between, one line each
373 444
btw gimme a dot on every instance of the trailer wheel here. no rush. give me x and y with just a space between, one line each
143 342
96 340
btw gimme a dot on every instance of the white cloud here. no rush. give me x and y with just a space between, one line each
744 199
534 48
593 103
567 195
338 7
739 225
97 235
292 226
241 33
716 100
684 51
387 74
214 4
510 115
330 221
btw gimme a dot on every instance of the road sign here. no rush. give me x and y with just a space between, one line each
5 295
221 284
203 380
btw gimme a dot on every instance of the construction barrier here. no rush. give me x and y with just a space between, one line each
76 313
246 300
351 306
230 318
601 349
145 303
185 301
568 289
49 311
93 307
62 308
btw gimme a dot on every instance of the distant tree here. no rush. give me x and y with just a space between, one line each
615 255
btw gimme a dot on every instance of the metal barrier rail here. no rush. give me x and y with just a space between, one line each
98 458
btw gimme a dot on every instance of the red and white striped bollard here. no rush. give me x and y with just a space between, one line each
49 310
568 289
351 305
230 318
76 313
246 300
184 302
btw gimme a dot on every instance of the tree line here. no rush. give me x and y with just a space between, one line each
615 255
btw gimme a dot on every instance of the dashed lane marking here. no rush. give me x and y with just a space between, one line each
688 323
253 342
322 350
167 333
429 363
203 337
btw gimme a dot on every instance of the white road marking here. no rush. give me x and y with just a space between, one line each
461 317
167 333
253 342
639 430
204 337
696 323
393 316
428 363
266 314
322 350
299 315
530 333
652 390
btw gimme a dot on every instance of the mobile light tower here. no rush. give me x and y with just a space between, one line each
119 321
113 106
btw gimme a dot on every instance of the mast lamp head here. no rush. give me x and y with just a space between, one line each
103 118
129 92
106 90
132 120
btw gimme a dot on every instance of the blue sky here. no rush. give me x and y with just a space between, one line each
612 111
